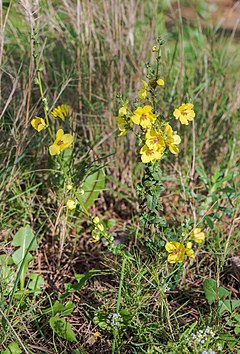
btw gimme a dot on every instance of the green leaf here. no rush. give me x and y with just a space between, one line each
92 186
209 221
12 348
24 239
58 307
212 292
228 305
36 283
81 280
62 328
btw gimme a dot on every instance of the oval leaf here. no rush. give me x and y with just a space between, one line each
62 328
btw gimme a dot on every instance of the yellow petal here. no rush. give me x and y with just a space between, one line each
67 139
71 204
38 123
160 82
122 111
59 134
174 149
54 150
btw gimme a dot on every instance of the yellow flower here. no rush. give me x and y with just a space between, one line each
176 250
71 204
197 235
69 187
150 155
154 139
121 126
171 139
96 235
122 111
97 223
61 111
189 251
160 82
143 116
62 142
154 48
96 220
38 123
184 113
143 92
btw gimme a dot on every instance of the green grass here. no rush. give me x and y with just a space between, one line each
89 53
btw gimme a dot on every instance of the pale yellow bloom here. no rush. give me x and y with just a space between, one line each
197 235
154 139
121 125
62 142
176 250
38 123
171 139
184 113
96 220
150 155
69 187
122 111
160 82
143 92
189 251
71 204
143 116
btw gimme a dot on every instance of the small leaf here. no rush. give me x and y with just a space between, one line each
24 237
209 221
36 282
12 348
58 307
212 292
92 186
62 328
228 305
82 279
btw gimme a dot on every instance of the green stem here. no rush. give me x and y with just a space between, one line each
44 100
45 109
115 333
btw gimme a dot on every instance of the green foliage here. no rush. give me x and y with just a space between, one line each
92 186
149 195
26 241
62 328
36 283
81 280
59 308
12 348
213 292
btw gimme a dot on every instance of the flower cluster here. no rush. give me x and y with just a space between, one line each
177 250
202 336
202 339
114 320
62 141
156 133
98 229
